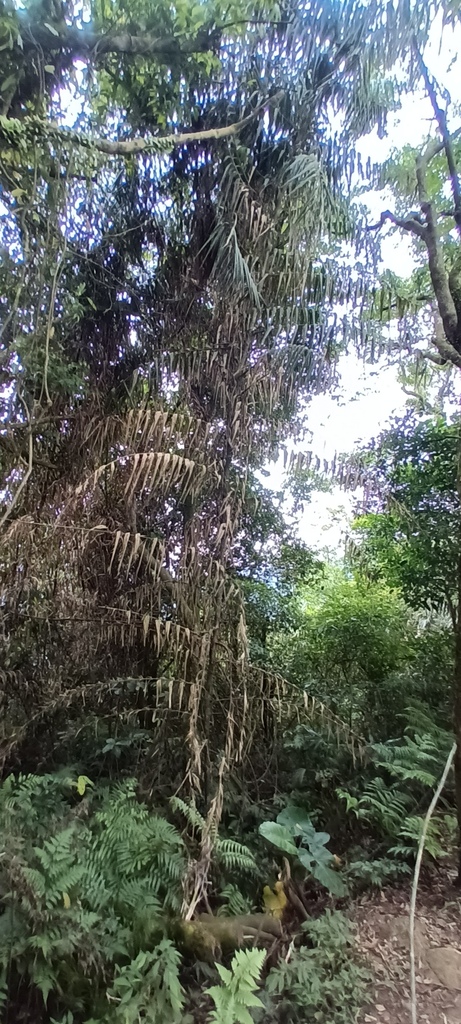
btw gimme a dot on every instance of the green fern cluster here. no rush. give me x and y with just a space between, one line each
393 801
86 882
236 996
229 856
90 879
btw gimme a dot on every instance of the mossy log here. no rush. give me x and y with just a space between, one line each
207 936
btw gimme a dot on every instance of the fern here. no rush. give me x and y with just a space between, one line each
190 813
393 808
435 845
234 901
233 856
89 881
81 891
131 844
148 988
236 996
228 854
416 760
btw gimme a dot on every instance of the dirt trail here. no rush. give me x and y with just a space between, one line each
382 930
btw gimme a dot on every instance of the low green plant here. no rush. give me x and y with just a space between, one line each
148 988
236 996
392 803
321 982
228 854
233 901
365 872
293 833
90 878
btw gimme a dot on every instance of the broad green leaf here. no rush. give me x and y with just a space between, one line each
306 858
295 819
277 834
330 879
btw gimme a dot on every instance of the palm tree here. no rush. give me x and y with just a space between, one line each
171 303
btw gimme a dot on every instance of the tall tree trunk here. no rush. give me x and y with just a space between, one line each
457 674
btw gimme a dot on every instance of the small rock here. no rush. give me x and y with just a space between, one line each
399 930
445 962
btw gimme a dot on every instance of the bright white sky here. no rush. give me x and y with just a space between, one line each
370 395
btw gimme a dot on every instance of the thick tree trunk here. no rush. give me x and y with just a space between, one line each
457 676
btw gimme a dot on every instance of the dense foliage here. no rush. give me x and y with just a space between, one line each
409 528
207 733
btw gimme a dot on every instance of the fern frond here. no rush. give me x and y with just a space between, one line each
236 995
190 813
233 856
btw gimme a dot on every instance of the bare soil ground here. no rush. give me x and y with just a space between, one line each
383 937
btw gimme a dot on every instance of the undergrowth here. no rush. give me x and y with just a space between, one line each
321 981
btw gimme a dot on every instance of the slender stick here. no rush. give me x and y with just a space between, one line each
414 891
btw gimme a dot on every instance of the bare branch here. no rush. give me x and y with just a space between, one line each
441 118
433 359
133 146
406 223
414 888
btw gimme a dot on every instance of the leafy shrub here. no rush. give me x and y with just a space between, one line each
88 880
351 637
322 983
148 988
366 872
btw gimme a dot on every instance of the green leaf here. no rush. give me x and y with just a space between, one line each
305 858
330 879
277 834
8 83
224 973
295 819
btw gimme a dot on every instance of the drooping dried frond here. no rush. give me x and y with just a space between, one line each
164 320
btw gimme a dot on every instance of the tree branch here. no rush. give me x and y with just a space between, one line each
131 147
441 118
416 227
35 128
447 352
84 42
437 269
